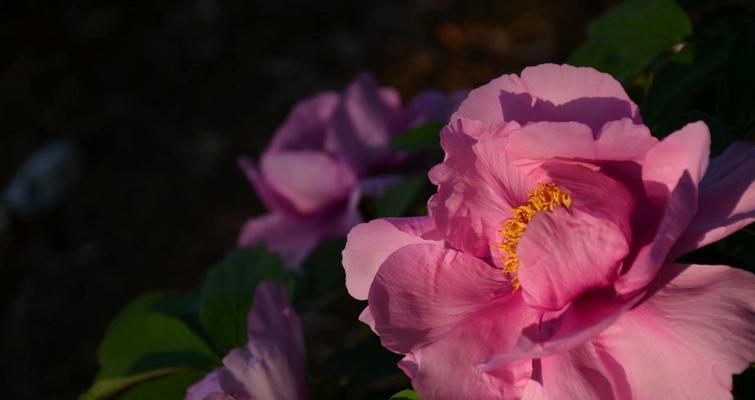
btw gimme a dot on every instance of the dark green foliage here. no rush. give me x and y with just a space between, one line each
629 37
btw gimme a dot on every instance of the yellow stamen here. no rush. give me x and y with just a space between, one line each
546 197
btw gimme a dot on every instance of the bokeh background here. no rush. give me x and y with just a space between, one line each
149 104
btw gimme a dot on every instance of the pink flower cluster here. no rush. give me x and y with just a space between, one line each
546 268
332 148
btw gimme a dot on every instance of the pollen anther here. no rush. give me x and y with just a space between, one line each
545 197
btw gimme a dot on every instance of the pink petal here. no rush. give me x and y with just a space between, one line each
448 367
267 195
363 123
727 199
423 291
483 104
273 318
567 93
305 126
272 364
558 256
560 84
695 333
618 140
671 173
311 181
366 317
293 238
550 92
578 374
477 185
211 388
561 331
368 245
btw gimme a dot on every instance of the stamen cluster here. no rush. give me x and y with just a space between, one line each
545 197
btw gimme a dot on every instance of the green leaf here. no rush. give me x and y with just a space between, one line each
227 293
106 388
676 84
144 342
423 137
406 395
141 340
397 199
630 36
167 388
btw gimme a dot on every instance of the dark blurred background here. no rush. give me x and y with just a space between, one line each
145 108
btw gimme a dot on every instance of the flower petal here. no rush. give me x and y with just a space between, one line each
550 92
671 173
369 244
423 291
483 104
311 181
617 141
565 253
291 237
477 185
305 126
267 195
558 255
568 93
695 332
727 199
447 368
363 123
450 366
577 374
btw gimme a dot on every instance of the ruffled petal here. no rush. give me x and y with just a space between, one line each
551 92
727 199
617 141
305 126
568 93
558 255
449 367
477 185
565 253
671 173
423 291
311 181
368 245
695 332
578 374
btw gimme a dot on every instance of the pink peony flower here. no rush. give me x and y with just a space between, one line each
546 267
271 366
331 149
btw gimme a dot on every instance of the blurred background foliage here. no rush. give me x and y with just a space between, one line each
143 109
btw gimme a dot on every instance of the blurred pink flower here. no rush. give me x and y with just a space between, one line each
545 268
271 365
331 149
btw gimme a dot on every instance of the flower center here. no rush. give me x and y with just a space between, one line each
546 197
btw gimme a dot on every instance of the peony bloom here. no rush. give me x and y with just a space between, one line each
546 266
332 148
271 366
